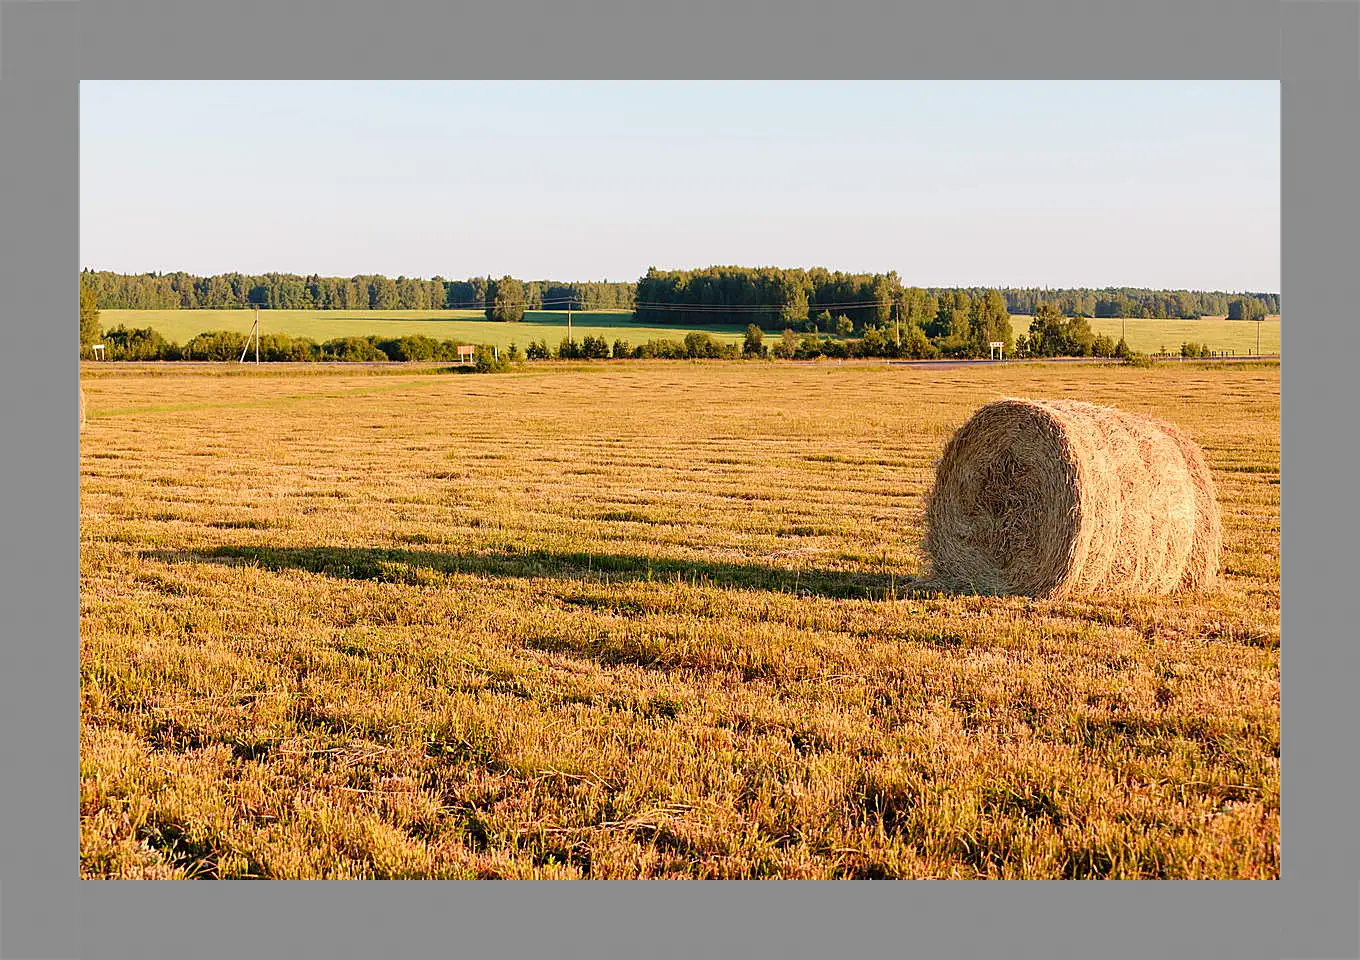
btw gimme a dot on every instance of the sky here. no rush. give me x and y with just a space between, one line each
1164 184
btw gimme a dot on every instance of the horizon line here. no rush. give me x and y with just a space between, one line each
924 286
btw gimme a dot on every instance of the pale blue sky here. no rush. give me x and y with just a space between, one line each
1158 183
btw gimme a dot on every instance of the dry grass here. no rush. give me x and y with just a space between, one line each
643 620
1046 498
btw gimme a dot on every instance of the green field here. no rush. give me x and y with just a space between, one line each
1154 336
1145 336
466 325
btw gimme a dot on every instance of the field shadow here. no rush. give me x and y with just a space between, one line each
420 566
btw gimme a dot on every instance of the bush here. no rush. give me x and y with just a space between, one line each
120 343
702 346
622 350
662 350
213 345
279 347
486 360
872 343
538 350
569 350
352 349
754 346
917 345
787 347
415 347
594 348
1102 346
809 347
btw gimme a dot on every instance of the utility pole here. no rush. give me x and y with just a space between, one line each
569 299
1258 335
254 332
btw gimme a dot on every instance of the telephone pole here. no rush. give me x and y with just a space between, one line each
255 333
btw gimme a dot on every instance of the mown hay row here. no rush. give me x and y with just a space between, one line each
1052 497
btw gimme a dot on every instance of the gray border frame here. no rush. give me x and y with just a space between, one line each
1313 45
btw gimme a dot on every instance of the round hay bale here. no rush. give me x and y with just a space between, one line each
1201 568
1051 497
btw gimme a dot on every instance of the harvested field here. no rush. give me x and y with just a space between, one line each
643 620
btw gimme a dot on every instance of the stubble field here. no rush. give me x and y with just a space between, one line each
642 620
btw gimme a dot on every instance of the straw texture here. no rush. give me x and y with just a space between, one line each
1052 497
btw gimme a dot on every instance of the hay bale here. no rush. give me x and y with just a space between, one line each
1201 568
1050 497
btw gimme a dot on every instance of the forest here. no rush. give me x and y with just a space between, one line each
772 297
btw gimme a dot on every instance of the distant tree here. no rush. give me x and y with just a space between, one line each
1102 346
844 326
1121 349
1246 308
662 349
872 343
754 345
347 348
594 348
89 318
144 344
513 354
538 350
486 359
810 345
1053 335
990 322
917 345
787 346
700 345
505 300
209 345
382 294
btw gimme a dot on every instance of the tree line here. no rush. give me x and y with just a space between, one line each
1137 302
290 291
772 297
